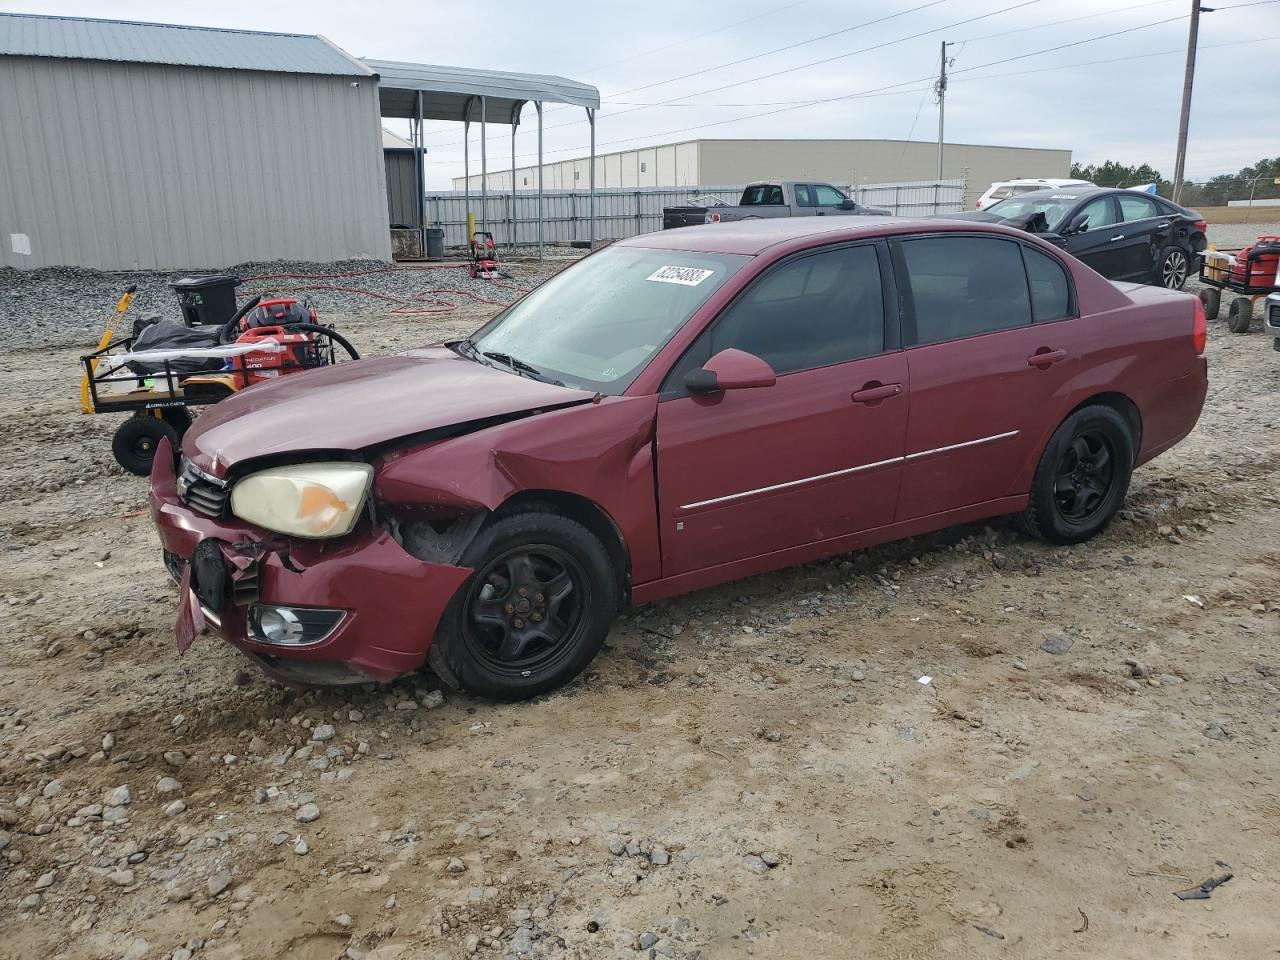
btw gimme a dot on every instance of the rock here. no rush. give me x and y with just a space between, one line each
433 699
175 808
857 675
1137 668
407 705
175 758
300 847
182 953
307 813
30 902
323 732
218 882
118 797
108 742
51 789
664 948
343 920
176 892
472 943
616 846
647 940
755 864
1216 732
5 838
121 878
168 785
522 942
658 856
1132 685
771 858
137 949
1056 644
46 880
1170 679
456 865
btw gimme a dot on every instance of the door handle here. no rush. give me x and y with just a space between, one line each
875 391
1118 236
1044 358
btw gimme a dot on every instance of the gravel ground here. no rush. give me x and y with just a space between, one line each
60 306
1233 236
751 770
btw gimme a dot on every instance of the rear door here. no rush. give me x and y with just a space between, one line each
1098 245
804 204
815 456
982 372
1144 228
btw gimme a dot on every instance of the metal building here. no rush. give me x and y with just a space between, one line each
136 145
694 163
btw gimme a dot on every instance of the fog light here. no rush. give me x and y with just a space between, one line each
291 626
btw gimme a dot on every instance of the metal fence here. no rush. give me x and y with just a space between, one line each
622 212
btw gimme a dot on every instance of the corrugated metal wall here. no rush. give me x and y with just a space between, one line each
126 166
626 213
402 185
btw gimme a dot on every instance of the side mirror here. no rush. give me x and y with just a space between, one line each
847 204
730 370
1079 224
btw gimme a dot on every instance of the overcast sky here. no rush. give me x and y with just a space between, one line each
1126 109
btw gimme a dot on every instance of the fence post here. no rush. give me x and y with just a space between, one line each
639 227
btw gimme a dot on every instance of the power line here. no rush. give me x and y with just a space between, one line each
884 91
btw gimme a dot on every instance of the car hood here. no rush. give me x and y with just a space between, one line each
353 406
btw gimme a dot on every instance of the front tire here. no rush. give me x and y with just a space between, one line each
1082 478
534 613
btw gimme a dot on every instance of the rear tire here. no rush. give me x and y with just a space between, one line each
134 444
1082 478
1211 297
534 613
1174 266
1240 316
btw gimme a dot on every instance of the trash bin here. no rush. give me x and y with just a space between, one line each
208 299
435 243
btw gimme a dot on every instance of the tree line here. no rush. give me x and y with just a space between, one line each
1260 178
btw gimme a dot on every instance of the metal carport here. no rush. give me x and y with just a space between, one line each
419 91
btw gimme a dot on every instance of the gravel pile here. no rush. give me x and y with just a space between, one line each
69 306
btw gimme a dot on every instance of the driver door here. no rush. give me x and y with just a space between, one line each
816 455
1100 244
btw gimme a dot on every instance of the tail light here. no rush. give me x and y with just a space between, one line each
713 218
1199 329
1202 226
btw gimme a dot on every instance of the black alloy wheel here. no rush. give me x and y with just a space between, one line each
1085 475
525 607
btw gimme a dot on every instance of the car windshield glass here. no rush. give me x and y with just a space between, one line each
1053 208
598 323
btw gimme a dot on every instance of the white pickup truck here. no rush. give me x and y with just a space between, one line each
771 198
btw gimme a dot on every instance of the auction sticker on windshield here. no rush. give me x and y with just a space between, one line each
685 276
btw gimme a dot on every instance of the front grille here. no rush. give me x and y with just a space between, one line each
201 492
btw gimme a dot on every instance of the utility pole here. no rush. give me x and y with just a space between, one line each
1180 160
940 91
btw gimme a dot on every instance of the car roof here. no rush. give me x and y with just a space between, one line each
753 237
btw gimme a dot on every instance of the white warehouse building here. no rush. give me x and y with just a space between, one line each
705 163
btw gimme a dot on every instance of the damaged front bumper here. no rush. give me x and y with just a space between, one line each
365 609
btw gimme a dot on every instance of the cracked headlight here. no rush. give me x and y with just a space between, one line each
304 500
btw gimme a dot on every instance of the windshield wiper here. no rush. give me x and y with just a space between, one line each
520 366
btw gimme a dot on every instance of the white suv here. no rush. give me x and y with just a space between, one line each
1011 188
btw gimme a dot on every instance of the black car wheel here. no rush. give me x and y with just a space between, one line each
1174 267
134 444
1240 315
1082 477
1211 297
534 613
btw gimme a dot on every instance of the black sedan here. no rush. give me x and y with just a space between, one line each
1123 234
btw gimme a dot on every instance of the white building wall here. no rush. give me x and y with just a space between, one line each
122 166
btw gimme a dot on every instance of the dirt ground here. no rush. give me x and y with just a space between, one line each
758 769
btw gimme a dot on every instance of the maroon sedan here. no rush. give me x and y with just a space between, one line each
675 411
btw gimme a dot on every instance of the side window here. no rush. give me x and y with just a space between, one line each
966 286
827 196
1050 291
1100 213
803 197
1137 207
810 312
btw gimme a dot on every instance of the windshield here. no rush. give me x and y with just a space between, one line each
1053 207
598 323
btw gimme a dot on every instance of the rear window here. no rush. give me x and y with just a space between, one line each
1000 193
762 195
966 286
